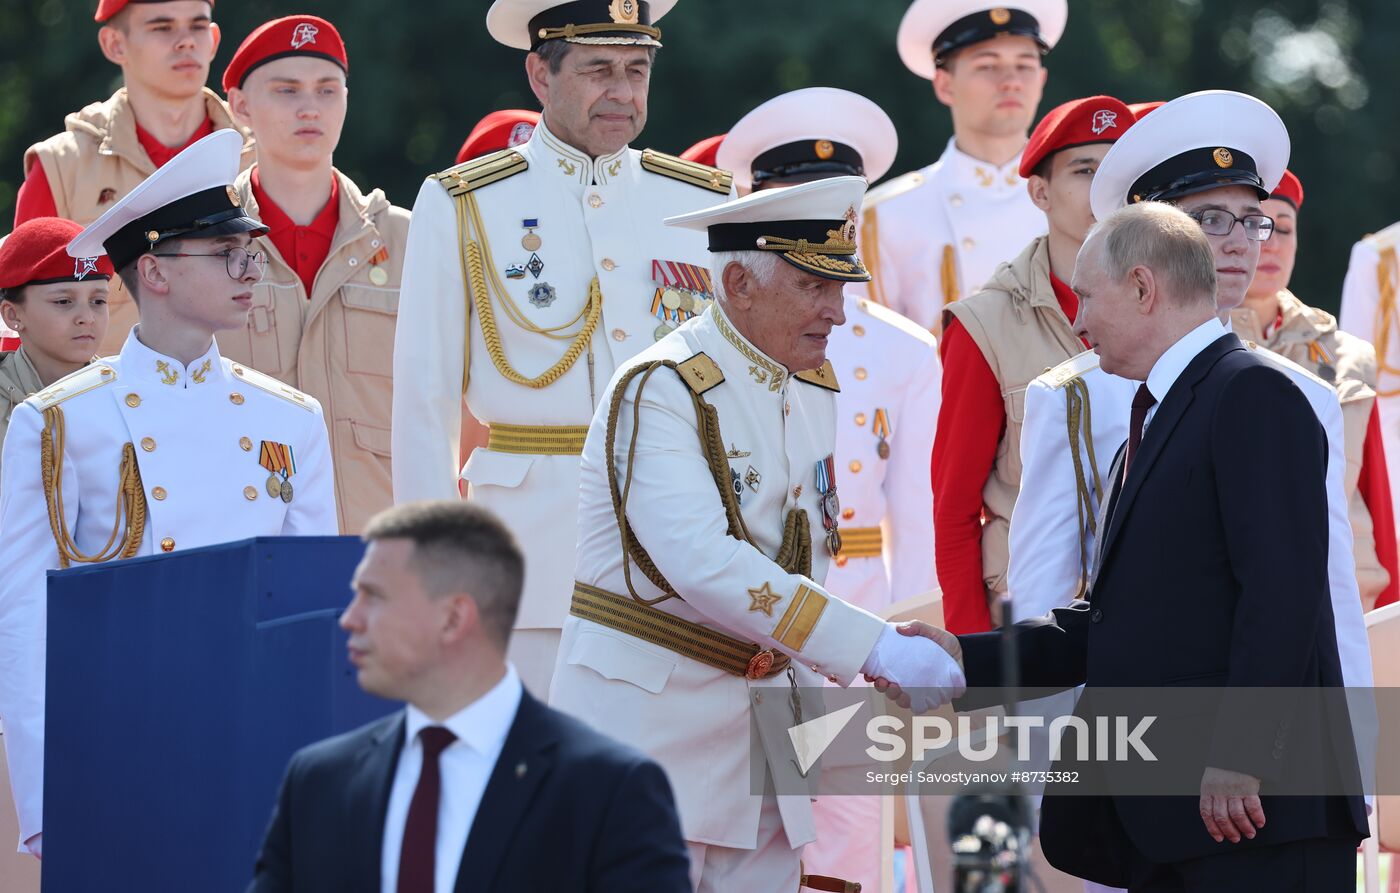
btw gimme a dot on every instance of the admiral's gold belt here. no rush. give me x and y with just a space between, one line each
539 440
681 636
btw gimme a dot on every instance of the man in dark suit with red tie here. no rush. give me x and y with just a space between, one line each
1210 573
474 786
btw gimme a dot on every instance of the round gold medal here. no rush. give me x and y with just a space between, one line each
378 276
670 299
274 486
531 242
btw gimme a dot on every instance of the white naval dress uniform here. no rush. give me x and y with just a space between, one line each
1045 570
936 235
691 717
890 376
1369 311
197 432
595 218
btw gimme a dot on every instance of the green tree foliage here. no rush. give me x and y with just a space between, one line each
423 72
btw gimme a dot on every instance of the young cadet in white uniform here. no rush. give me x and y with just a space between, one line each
530 275
1369 311
1215 154
886 410
168 443
717 446
935 235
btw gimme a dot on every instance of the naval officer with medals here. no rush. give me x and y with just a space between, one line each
709 512
886 411
164 447
530 275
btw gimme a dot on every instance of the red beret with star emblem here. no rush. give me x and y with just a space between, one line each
1290 189
108 8
37 253
1080 122
505 129
705 151
300 35
1141 110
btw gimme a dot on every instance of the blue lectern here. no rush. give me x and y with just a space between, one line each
178 687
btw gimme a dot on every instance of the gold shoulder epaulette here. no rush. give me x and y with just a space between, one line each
700 372
71 385
890 188
1385 237
272 386
483 171
1070 369
823 377
702 175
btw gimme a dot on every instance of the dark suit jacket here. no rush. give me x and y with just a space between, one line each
1213 572
585 814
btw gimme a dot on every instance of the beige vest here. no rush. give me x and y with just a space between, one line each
95 161
338 346
1310 338
18 379
1017 323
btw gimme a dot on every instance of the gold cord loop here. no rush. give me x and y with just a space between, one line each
131 499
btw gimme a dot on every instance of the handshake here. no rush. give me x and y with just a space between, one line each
917 666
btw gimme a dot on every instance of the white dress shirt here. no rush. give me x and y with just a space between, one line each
1174 361
465 766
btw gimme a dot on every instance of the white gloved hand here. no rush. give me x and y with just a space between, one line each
929 675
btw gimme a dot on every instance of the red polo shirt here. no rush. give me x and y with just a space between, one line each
971 424
304 248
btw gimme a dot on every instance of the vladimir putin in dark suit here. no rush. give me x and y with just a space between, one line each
475 786
1212 572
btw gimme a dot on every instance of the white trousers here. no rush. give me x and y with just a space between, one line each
848 840
773 865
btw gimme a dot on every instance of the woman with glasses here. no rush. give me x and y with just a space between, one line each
1273 316
57 304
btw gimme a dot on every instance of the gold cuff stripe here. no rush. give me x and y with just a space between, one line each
862 542
537 440
653 625
801 617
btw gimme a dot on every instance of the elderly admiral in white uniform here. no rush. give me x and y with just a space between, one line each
1216 155
708 514
165 446
886 410
534 272
935 235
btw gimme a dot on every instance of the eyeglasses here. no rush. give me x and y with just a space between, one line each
1215 222
236 261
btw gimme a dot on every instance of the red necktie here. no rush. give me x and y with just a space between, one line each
1142 402
417 856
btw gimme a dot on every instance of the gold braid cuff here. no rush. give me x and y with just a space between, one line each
794 555
125 540
1080 422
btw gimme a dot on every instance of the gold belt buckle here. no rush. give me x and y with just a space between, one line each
759 665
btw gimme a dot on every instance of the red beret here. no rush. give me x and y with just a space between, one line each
292 36
1140 109
1094 119
108 8
704 152
1290 189
37 252
505 129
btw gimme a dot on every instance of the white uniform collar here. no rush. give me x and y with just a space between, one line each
570 166
143 364
980 174
1176 358
762 368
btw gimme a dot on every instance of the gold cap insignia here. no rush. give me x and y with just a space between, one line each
153 237
825 149
623 12
1223 157
1000 16
848 229
1136 198
233 196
